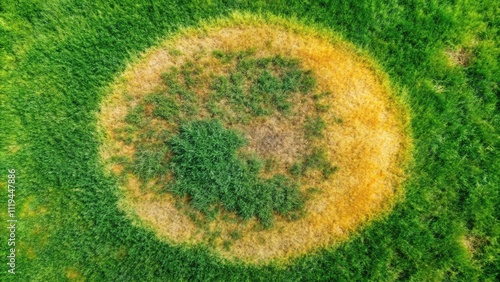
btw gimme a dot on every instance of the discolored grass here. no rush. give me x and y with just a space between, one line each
58 56
460 57
251 95
360 128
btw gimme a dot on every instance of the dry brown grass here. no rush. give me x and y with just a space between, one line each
276 138
370 146
279 137
469 242
472 243
460 57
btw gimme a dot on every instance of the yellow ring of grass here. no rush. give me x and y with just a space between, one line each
370 146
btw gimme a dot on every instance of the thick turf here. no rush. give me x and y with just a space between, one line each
57 57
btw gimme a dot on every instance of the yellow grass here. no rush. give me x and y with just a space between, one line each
460 57
472 243
370 146
73 274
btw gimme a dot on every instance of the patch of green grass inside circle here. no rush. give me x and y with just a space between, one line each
209 171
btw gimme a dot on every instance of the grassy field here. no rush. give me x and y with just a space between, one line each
58 58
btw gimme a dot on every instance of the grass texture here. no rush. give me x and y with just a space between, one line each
364 134
178 144
200 154
57 57
207 169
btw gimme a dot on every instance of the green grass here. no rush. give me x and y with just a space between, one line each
314 127
57 57
207 170
316 160
267 92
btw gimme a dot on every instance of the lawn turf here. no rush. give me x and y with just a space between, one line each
59 56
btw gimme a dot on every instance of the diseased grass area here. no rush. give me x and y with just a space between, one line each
354 121
180 145
57 55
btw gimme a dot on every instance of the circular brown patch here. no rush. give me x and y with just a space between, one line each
365 136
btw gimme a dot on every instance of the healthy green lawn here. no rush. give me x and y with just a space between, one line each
57 57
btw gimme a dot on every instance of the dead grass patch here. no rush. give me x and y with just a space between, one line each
469 243
276 138
460 57
369 146
472 243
